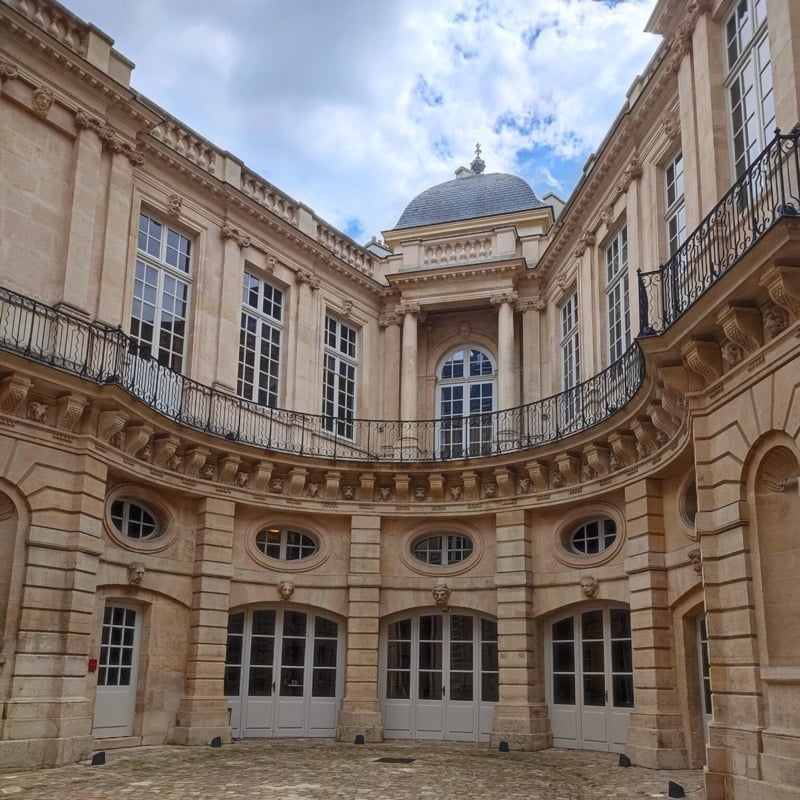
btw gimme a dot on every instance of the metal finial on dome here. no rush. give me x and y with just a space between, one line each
478 165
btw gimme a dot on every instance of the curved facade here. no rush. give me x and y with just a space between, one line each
511 482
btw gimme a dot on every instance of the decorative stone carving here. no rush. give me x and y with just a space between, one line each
136 437
260 475
614 461
464 330
146 453
109 427
37 412
8 71
783 286
174 204
229 232
389 318
662 420
503 297
164 448
539 473
285 589
490 490
347 306
270 264
42 100
524 485
779 470
420 493
703 358
70 410
276 485
732 354
672 126
207 472
696 559
597 457
227 467
557 480
306 277
173 463
136 572
348 492
312 489
742 325
590 586
241 479
776 320
109 137
441 595
623 447
385 493
13 390
193 460
456 493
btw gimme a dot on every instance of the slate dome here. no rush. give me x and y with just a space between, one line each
470 195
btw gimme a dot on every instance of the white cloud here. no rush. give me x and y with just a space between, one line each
353 107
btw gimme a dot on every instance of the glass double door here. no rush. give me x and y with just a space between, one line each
591 679
440 677
282 673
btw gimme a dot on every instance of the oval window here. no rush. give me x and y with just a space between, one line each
285 544
442 549
594 536
133 519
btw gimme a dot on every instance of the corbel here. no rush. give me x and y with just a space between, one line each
597 457
110 423
742 325
506 485
164 448
436 487
367 484
569 465
646 437
333 480
70 409
402 484
13 390
297 481
539 473
227 467
661 418
623 446
193 460
136 437
260 475
783 286
470 480
704 358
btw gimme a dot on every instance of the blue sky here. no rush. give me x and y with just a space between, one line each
355 106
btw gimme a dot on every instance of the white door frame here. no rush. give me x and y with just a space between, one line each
589 725
437 656
281 711
117 670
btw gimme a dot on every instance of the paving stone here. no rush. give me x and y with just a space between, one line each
317 769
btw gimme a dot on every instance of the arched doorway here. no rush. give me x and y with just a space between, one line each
439 676
283 672
590 678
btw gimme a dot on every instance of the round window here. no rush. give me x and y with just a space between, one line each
285 544
134 520
443 549
594 536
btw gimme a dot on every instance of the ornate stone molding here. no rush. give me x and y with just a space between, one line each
229 232
696 560
109 137
732 354
8 72
389 318
409 308
285 589
306 277
587 240
136 570
776 319
590 586
174 205
671 125
441 594
37 412
537 303
503 297
111 423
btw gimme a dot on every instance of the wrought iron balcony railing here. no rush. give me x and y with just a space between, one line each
106 355
767 191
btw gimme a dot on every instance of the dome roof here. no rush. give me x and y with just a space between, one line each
468 196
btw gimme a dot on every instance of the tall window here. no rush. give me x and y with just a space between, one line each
617 302
161 292
570 360
749 81
570 350
466 402
675 215
260 341
339 378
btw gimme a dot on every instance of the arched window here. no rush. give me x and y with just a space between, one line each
465 403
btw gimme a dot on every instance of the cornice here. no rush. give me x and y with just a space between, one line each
514 266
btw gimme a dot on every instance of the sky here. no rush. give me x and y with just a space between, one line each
353 107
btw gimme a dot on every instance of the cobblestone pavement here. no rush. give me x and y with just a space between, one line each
314 769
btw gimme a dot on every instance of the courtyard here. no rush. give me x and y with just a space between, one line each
322 769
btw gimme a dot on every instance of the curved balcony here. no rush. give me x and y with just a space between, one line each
106 355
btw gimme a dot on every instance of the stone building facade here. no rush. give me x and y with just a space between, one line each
526 471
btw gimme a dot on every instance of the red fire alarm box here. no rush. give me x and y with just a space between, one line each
92 665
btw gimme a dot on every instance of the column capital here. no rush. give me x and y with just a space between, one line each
409 308
500 298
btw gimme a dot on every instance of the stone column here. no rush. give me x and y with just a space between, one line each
225 339
656 733
390 398
112 288
521 716
47 721
408 374
306 393
360 709
533 359
505 348
783 23
85 184
203 709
